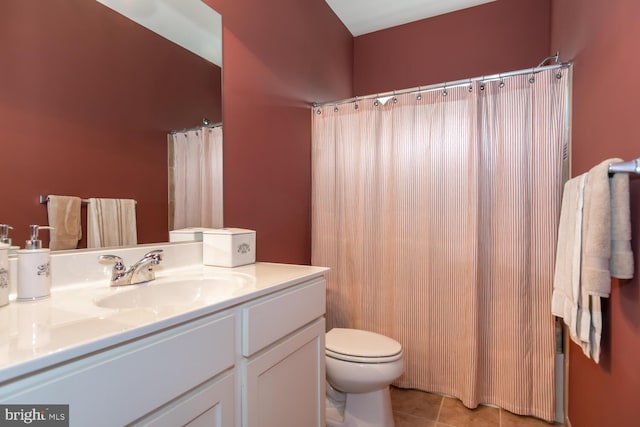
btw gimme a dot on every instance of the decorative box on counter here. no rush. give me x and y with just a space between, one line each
228 247
191 234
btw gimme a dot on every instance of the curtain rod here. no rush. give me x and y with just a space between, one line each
205 123
445 85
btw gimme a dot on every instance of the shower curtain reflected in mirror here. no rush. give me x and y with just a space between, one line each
195 178
438 218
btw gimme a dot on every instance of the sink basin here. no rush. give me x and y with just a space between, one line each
167 292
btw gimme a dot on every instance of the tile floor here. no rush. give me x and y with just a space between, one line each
412 408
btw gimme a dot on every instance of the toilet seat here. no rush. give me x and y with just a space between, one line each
354 345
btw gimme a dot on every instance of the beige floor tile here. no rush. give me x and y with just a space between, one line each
415 403
454 413
406 420
509 419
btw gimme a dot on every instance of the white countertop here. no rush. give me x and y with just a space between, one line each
68 324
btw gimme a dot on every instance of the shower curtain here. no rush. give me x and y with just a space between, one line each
438 216
195 178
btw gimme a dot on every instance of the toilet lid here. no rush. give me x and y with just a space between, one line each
361 346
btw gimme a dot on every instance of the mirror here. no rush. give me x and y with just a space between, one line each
88 97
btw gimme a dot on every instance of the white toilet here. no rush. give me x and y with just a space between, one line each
360 367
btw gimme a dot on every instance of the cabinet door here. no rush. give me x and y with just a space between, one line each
285 385
121 384
211 404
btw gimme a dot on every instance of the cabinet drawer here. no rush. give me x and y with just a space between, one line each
117 386
271 319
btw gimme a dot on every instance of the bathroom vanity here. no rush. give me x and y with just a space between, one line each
197 346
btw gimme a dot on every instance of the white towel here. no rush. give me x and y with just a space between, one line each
566 282
64 216
111 222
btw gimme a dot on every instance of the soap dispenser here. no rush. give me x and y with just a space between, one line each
4 238
34 278
4 274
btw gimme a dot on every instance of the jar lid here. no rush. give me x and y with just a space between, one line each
228 231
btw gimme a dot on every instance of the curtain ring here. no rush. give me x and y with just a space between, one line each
501 84
532 78
335 108
444 90
559 74
356 104
470 88
482 83
419 97
394 99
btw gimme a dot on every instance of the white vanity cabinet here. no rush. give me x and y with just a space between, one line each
119 385
283 363
257 362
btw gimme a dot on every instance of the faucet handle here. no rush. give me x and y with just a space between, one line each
119 265
156 255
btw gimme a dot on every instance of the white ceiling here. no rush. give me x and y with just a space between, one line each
188 23
195 26
366 16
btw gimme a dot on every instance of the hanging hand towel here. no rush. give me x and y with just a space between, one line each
111 222
566 282
64 217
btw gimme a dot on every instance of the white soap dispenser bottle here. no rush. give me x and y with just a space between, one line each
34 277
4 274
4 238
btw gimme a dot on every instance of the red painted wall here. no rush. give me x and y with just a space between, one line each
601 38
500 36
86 100
278 57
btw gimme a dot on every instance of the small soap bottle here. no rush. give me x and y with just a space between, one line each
4 238
4 274
34 278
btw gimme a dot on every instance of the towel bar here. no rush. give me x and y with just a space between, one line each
45 199
632 166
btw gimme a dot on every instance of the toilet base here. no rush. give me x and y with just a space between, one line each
371 409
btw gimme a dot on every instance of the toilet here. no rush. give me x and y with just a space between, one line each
360 367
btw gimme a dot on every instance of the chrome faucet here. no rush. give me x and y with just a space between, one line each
140 272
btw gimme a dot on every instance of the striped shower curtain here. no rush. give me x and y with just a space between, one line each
438 217
195 178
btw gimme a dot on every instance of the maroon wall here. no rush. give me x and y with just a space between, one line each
601 38
86 100
487 39
278 57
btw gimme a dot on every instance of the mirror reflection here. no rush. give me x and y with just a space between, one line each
88 98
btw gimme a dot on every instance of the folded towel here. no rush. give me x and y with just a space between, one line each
608 230
596 230
64 217
111 222
621 263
